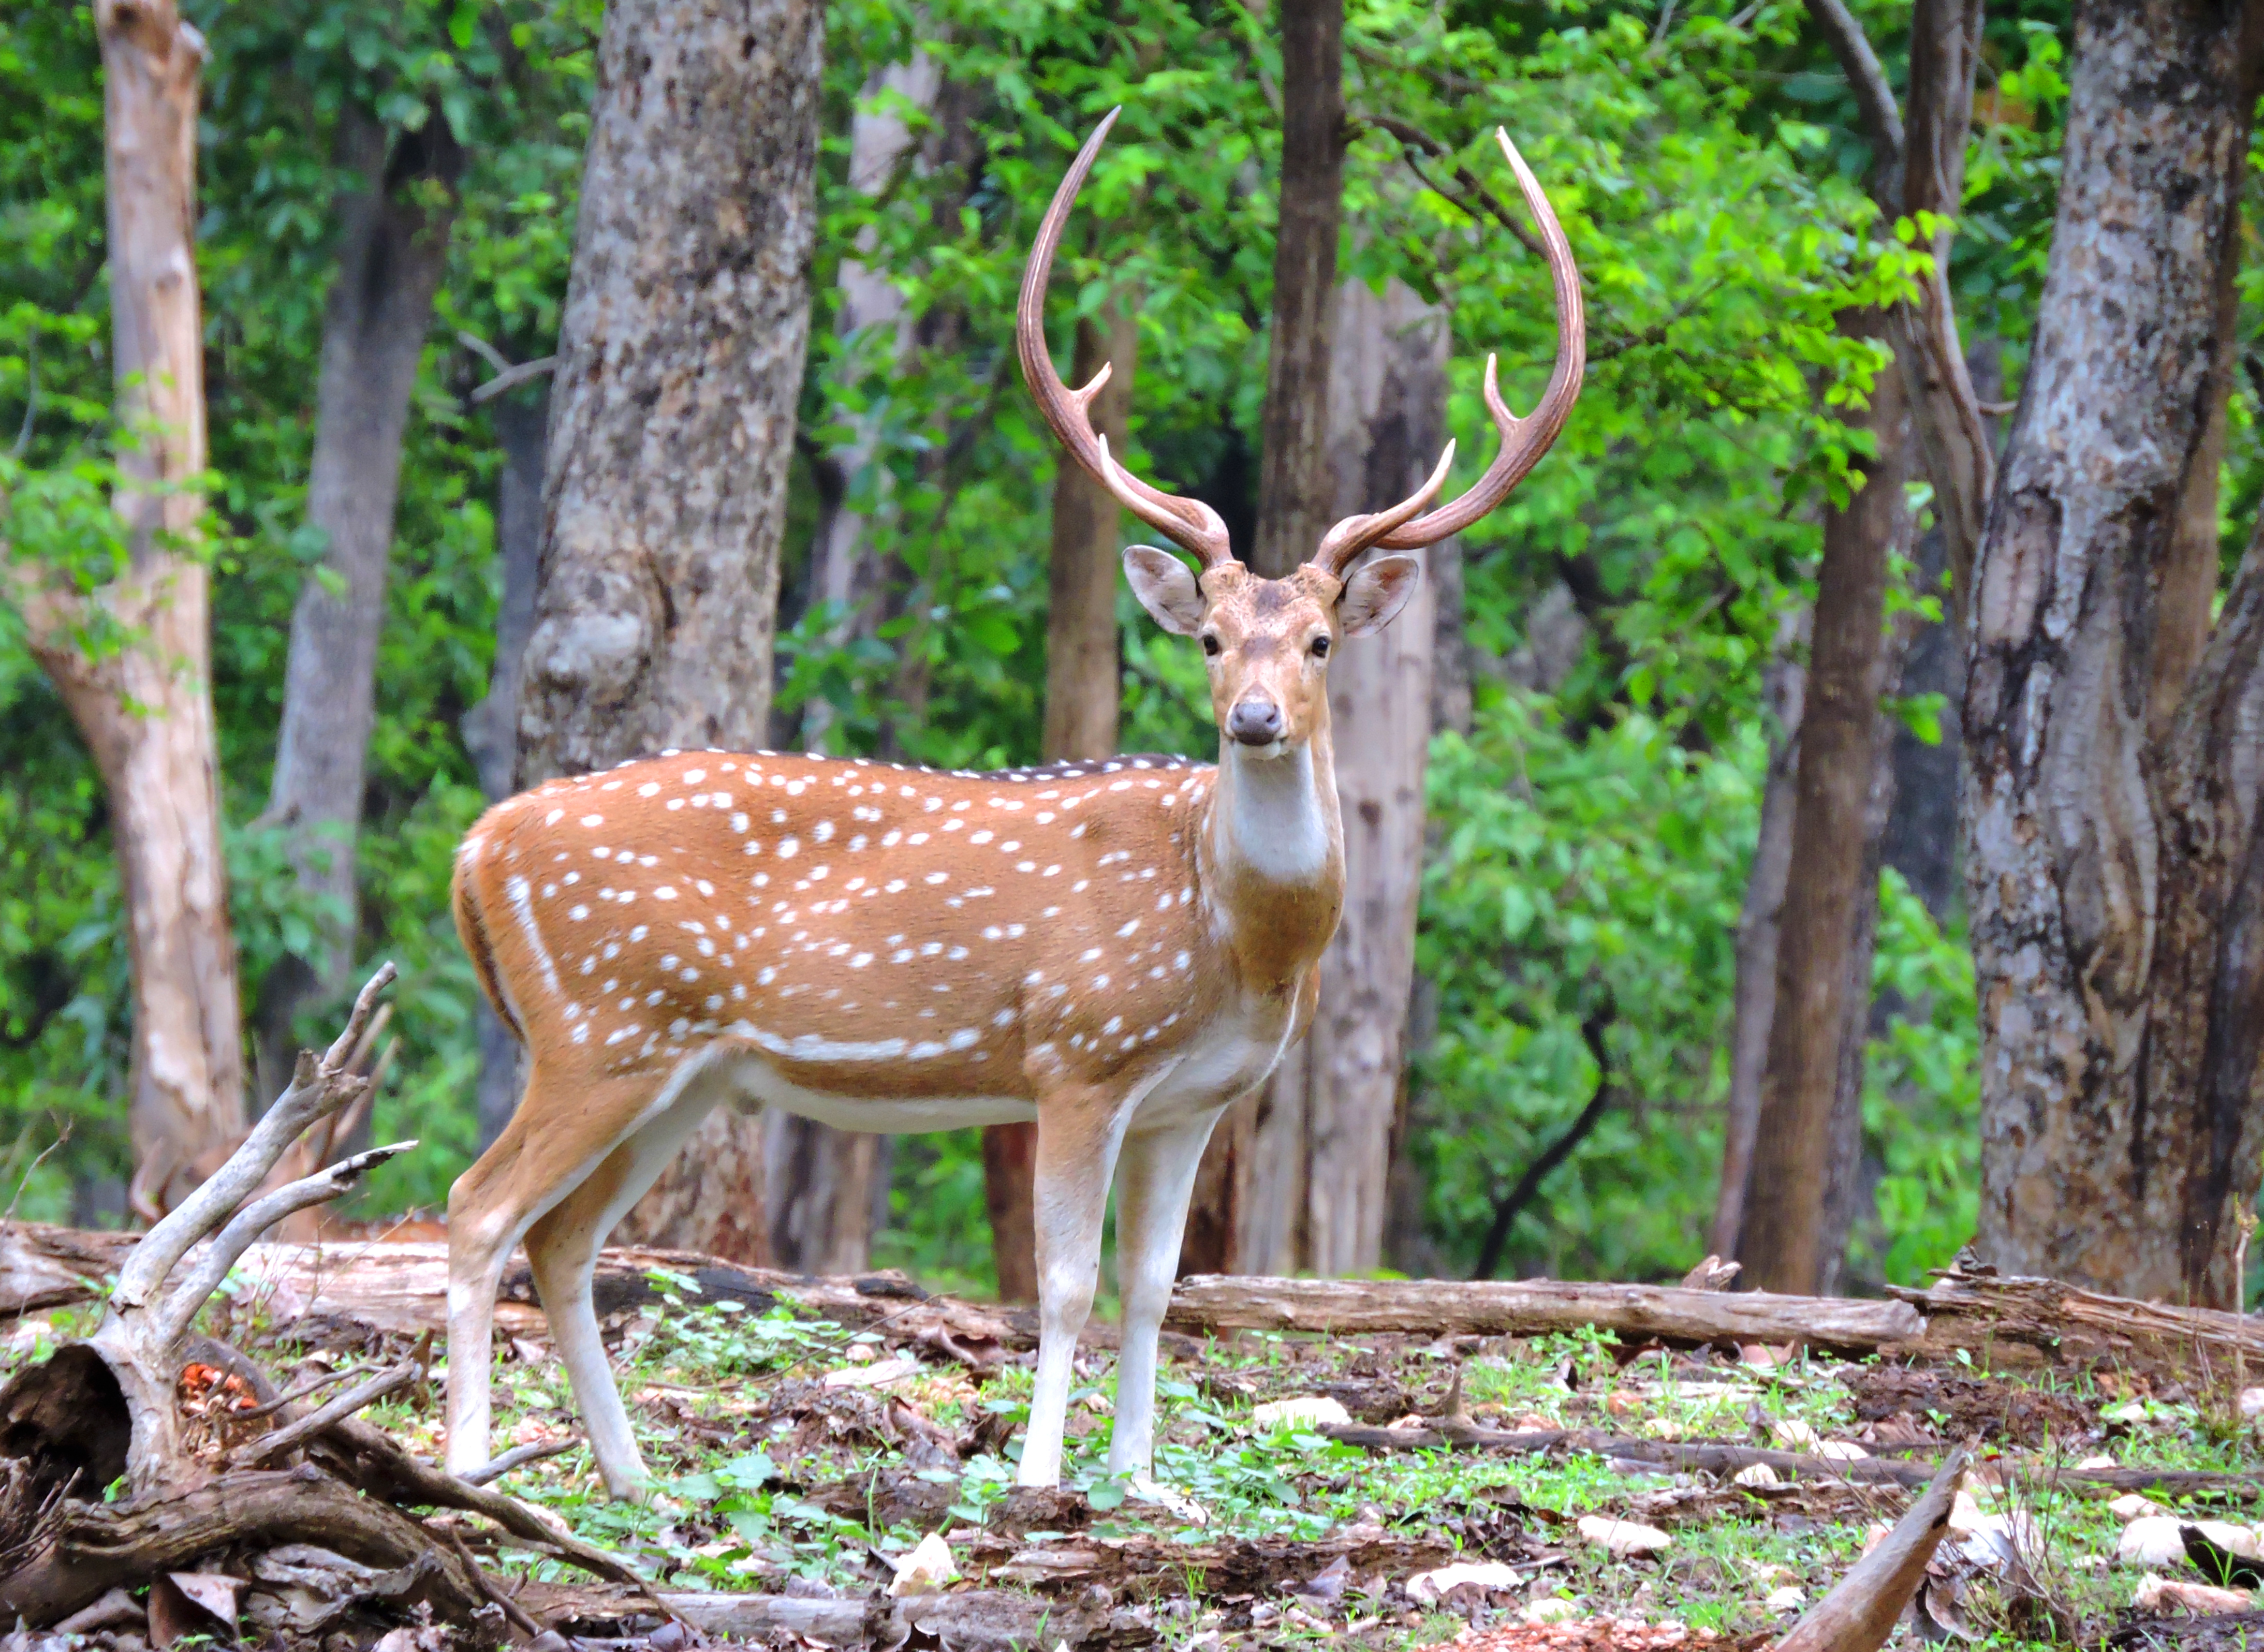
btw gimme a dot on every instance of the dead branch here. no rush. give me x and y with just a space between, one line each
1212 1302
519 1457
269 1446
98 1547
1859 1612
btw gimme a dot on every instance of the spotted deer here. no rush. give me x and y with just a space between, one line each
1116 949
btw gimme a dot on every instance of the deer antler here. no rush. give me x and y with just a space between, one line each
1189 522
1523 441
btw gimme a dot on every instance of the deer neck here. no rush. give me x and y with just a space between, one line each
1275 844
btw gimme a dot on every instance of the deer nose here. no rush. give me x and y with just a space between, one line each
1255 722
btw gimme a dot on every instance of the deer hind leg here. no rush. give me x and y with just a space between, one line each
1155 1180
1077 1137
536 1162
561 1248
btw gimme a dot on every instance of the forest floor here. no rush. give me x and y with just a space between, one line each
795 1458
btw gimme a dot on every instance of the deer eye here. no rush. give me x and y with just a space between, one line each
1210 643
1321 648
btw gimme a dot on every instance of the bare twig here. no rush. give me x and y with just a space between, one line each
303 1391
513 377
1874 100
313 1091
1505 1213
31 395
512 1609
518 1457
268 1446
180 1305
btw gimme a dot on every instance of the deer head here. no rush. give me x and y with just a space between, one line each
1267 642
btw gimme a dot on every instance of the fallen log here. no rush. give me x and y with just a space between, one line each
1859 1612
1726 1457
2067 1325
404 1287
967 1619
1215 1302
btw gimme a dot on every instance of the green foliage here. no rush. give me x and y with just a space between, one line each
1592 839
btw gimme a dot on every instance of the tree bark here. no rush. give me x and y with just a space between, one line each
827 1186
391 256
1321 1155
1294 491
680 361
490 729
2112 876
1082 695
847 573
144 708
1753 998
1921 840
1782 1244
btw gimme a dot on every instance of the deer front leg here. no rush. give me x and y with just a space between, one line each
1077 1140
1156 1180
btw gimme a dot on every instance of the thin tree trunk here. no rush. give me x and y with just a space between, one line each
1082 695
824 1185
2110 872
1754 999
1782 1242
1387 419
680 362
1848 1187
144 708
1293 495
490 729
391 256
1921 841
1081 684
847 575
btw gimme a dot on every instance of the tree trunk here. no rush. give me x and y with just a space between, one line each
2112 874
145 706
846 574
680 362
391 256
1945 419
1782 1243
1082 695
1754 999
490 729
1313 1197
1921 840
1293 493
824 1185
1851 1182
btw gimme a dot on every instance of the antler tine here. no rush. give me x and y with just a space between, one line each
1523 441
1356 534
1189 522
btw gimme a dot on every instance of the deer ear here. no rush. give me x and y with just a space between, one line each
1167 589
1373 597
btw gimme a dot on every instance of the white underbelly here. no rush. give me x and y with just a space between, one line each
751 1080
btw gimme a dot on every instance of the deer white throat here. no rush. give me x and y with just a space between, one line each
1275 817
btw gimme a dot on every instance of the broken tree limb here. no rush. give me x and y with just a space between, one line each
269 1446
1859 1612
97 1546
2069 1325
1726 1457
1211 1302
